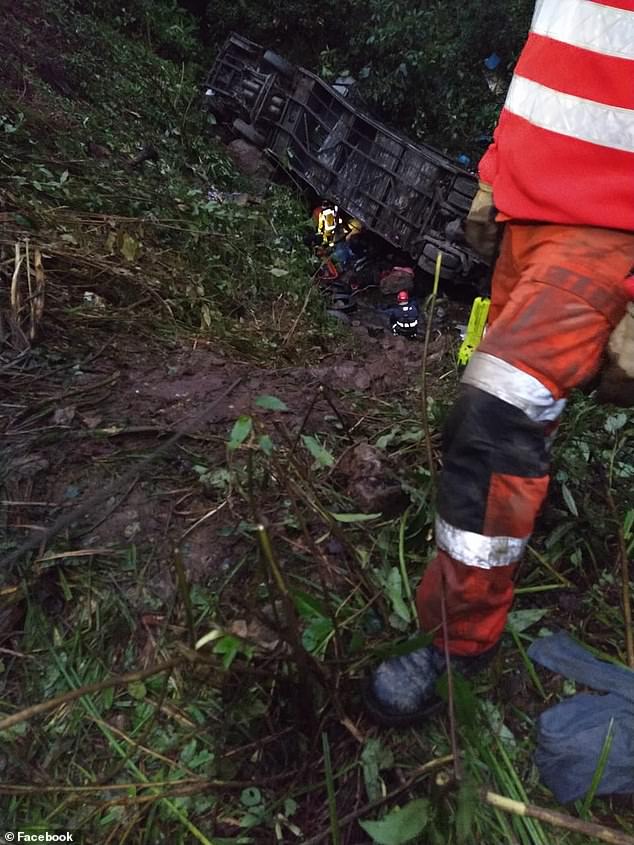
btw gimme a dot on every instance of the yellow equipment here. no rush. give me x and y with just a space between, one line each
475 329
353 227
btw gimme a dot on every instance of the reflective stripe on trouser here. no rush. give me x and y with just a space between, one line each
557 294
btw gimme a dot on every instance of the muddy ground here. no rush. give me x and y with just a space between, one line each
72 432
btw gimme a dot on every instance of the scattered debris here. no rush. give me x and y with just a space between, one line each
93 300
492 74
235 198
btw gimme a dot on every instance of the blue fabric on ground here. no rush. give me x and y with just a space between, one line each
571 735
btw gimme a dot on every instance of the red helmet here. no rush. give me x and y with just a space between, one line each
402 296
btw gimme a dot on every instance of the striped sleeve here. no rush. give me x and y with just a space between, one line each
564 146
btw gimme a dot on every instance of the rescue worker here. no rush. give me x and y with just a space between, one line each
341 253
353 229
560 176
328 222
347 242
404 317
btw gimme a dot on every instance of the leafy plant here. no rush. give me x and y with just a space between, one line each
401 825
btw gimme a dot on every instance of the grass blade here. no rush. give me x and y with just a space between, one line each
330 787
598 772
401 561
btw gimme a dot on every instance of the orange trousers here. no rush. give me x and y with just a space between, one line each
557 293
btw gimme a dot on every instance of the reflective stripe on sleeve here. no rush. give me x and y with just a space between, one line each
587 24
575 117
510 384
473 549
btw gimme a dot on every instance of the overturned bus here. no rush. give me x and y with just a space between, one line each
410 194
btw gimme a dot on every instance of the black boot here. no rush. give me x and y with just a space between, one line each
401 691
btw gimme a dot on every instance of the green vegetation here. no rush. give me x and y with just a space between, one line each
420 66
66 167
240 719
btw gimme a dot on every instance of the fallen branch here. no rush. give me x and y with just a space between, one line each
71 695
450 691
561 820
302 310
307 666
192 784
15 299
36 300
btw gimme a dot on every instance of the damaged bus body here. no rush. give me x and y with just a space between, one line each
410 194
